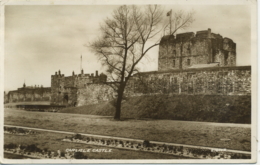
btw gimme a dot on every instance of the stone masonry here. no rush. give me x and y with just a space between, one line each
188 49
69 90
29 93
195 81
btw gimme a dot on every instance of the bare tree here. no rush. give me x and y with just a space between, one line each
125 40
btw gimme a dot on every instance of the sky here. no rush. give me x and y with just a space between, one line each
40 40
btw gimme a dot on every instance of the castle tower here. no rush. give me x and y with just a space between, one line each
203 49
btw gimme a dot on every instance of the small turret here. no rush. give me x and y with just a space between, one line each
82 71
96 73
73 73
24 84
59 72
209 33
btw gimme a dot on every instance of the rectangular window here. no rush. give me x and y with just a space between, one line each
175 80
174 52
188 61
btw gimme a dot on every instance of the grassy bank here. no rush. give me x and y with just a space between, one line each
209 108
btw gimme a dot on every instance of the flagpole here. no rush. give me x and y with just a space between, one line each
81 62
171 22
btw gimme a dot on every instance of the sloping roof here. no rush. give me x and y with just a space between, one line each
205 65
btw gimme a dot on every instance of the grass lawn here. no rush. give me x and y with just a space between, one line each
183 132
52 141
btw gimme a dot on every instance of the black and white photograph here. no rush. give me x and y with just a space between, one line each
128 82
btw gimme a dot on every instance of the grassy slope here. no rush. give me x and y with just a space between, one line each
210 108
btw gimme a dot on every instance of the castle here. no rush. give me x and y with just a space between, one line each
189 50
66 90
201 63
191 64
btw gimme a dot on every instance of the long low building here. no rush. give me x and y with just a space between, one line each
29 93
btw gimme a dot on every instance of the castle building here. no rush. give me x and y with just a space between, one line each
29 93
190 64
201 49
202 63
65 90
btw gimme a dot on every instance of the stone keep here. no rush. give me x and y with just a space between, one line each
189 49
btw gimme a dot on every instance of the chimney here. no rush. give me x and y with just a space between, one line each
96 73
82 71
209 32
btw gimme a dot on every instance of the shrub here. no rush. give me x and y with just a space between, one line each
33 148
79 155
78 136
10 146
62 154
146 143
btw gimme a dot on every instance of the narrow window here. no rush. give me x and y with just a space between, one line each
174 52
188 61
188 49
173 63
175 80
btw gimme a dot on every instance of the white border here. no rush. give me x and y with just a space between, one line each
251 3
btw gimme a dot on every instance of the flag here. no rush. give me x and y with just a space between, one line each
169 13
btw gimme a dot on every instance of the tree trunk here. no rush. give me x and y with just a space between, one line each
118 103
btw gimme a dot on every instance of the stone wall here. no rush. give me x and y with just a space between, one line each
29 94
94 93
206 81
